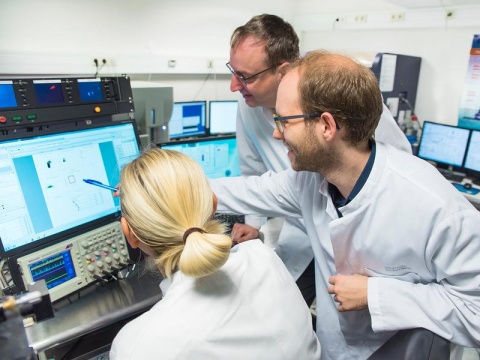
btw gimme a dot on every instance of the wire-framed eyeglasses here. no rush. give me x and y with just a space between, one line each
245 80
281 120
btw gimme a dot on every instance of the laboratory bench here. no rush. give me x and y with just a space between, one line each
85 323
471 192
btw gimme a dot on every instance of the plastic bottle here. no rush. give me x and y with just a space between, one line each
413 130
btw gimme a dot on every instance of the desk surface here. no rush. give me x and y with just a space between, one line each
474 199
105 305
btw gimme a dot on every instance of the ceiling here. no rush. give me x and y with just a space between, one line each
431 3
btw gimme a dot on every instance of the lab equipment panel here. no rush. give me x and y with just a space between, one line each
72 264
42 101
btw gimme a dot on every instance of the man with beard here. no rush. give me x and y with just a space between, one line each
396 245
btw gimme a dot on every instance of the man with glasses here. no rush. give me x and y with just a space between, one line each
396 245
260 52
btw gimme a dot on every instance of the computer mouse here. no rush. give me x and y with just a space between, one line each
467 186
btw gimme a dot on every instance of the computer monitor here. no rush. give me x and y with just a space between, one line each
188 119
444 144
472 159
217 156
222 116
44 197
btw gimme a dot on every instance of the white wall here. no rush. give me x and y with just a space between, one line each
136 37
139 37
442 43
444 54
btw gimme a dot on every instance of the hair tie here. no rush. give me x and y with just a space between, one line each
187 233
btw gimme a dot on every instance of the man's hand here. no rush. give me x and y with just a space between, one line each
243 232
350 291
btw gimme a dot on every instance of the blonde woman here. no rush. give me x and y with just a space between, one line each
218 302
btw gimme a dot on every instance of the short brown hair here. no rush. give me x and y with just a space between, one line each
339 85
281 41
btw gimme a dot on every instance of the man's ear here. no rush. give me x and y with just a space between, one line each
129 235
328 126
283 68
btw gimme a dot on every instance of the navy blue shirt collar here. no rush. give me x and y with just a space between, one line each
337 198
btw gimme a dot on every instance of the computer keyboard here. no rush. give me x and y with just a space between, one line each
230 219
451 175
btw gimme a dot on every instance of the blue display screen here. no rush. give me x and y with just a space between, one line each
443 144
472 159
90 90
218 156
7 96
55 270
49 92
188 119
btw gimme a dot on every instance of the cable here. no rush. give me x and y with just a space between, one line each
96 67
201 87
405 101
104 61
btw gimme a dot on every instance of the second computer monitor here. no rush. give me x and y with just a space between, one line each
444 144
218 156
223 116
472 159
188 119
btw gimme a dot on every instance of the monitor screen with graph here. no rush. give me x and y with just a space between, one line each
446 145
217 156
44 197
472 158
188 119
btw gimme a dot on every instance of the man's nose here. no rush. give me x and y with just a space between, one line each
277 134
235 84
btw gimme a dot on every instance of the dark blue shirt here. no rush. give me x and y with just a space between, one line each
337 198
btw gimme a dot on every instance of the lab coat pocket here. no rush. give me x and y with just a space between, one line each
403 274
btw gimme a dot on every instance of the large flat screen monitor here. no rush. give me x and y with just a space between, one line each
444 144
44 198
222 116
472 158
218 156
188 119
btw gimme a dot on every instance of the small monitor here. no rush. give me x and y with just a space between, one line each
48 92
223 116
188 119
7 95
444 144
90 90
218 156
44 197
472 159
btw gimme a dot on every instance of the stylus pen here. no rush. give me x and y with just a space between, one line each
99 184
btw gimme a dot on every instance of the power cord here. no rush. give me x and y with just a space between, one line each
98 68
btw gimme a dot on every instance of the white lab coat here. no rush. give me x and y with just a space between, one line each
250 309
259 152
408 228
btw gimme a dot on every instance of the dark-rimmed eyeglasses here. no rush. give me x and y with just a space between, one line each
280 120
245 79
